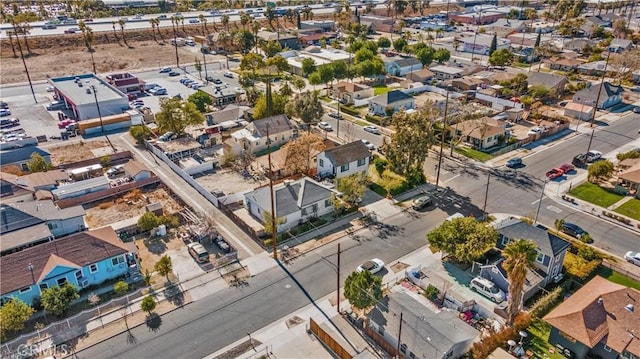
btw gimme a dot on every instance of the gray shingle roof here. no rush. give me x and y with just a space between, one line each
390 97
347 153
542 78
548 243
13 219
408 61
21 154
290 198
591 93
277 124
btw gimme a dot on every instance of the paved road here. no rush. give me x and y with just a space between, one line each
518 191
215 321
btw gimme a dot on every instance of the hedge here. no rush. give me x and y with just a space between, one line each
544 305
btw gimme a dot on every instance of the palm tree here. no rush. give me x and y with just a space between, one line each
153 28
255 27
244 19
182 23
224 19
122 23
115 33
203 21
520 256
87 36
174 24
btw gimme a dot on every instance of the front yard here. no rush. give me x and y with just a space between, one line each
473 154
595 194
380 89
630 209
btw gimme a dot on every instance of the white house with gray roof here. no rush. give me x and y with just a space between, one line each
610 95
395 99
480 44
254 137
443 72
344 160
400 66
295 202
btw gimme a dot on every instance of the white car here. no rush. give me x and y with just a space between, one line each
488 289
374 266
632 257
50 89
369 145
325 126
593 156
372 129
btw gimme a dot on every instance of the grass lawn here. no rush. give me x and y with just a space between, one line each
474 154
630 209
380 89
618 278
592 193
361 123
539 336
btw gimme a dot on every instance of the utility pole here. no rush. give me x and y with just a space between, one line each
486 197
595 106
95 96
399 334
338 280
535 220
24 62
274 224
338 119
444 126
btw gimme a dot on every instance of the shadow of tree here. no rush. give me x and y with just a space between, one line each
153 321
174 295
155 245
131 339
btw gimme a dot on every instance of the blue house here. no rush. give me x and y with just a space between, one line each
82 259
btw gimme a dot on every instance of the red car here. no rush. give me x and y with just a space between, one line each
555 173
566 168
65 123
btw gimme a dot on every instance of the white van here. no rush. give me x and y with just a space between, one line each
487 288
454 216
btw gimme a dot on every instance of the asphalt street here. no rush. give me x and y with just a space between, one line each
208 325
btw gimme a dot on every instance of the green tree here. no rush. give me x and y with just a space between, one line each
120 288
308 66
87 36
176 115
57 299
267 222
198 65
520 255
147 221
340 70
271 48
384 42
353 187
139 133
600 170
399 44
502 57
306 106
298 83
540 92
245 40
148 304
164 266
465 239
494 45
279 62
425 55
278 106
558 224
441 55
315 79
363 289
37 163
629 154
251 62
13 314
201 100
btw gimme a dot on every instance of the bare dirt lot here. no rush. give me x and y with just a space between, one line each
78 151
230 181
130 205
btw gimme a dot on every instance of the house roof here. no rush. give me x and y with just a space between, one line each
230 113
422 73
632 174
426 333
24 236
578 44
290 197
597 312
347 153
80 249
543 78
390 97
133 167
13 219
547 243
533 277
481 128
350 87
624 43
591 93
35 180
447 70
404 61
574 106
21 154
48 211
272 36
564 61
276 124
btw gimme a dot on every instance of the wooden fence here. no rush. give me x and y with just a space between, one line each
95 196
328 340
113 159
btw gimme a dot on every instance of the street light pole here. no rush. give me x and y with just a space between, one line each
486 197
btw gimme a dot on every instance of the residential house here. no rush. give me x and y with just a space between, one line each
254 137
481 44
344 160
231 113
311 38
597 321
394 99
466 83
295 202
137 170
481 134
82 259
620 45
401 66
525 40
348 92
591 23
526 55
323 25
477 17
443 72
578 45
555 83
287 41
28 222
629 177
80 188
422 75
20 156
578 111
548 264
426 333
504 27
610 95
563 64
47 181
377 23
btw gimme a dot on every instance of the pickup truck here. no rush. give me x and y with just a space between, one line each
555 173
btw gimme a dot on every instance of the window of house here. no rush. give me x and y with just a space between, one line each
25 167
52 225
78 274
314 208
26 289
505 240
321 162
412 356
327 203
93 268
540 257
344 168
607 348
62 281
117 260
381 330
403 348
43 286
361 162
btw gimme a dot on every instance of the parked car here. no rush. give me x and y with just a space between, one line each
4 105
632 257
5 112
372 129
325 126
9 122
48 26
487 288
374 266
217 81
573 230
566 168
174 74
514 162
593 156
71 30
636 109
158 91
115 170
579 160
65 123
165 70
335 115
198 252
554 173
194 21
422 202
55 105
228 74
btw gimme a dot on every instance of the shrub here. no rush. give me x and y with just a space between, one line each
120 288
588 253
543 305
431 292
380 164
493 340
579 267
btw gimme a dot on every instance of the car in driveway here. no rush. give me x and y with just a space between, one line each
593 156
372 129
514 162
368 144
422 202
573 230
165 70
198 252
566 168
632 257
579 160
325 126
487 288
554 173
374 266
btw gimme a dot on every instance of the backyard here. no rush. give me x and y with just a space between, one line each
595 194
380 89
631 209
617 277
539 345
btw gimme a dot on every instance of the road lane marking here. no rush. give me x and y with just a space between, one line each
537 200
452 178
554 209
